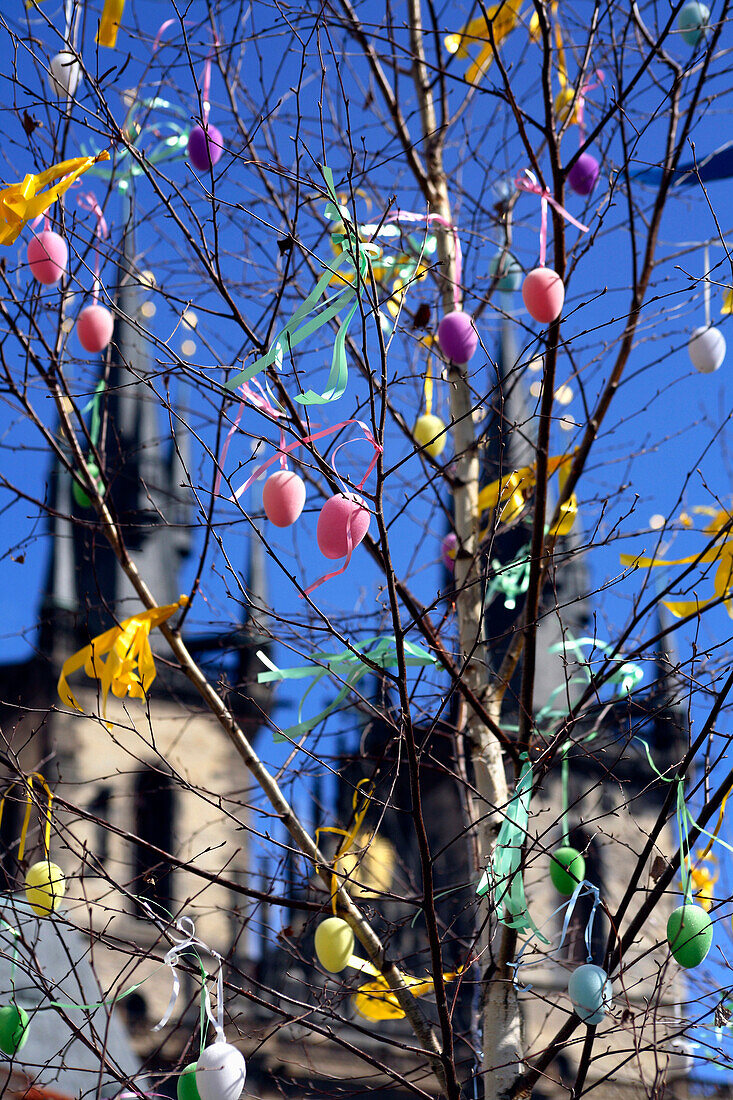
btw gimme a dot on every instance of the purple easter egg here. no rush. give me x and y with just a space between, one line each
205 147
457 336
584 174
448 549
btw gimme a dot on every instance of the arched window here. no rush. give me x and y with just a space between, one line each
154 822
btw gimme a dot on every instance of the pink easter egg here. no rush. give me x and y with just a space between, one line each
333 520
457 336
584 174
94 328
47 257
205 147
283 497
544 294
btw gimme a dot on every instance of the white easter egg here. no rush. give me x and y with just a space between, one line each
707 349
220 1072
65 75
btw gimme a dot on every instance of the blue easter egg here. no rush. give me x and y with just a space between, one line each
591 992
693 22
510 268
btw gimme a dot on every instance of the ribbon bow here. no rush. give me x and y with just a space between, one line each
527 181
313 314
22 202
188 941
510 493
129 668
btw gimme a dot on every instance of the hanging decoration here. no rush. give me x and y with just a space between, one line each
693 22
313 314
448 549
430 432
503 875
48 254
78 491
591 993
567 864
344 518
14 1029
334 942
350 666
720 531
129 668
205 143
23 202
584 174
95 324
64 74
168 145
707 344
543 291
109 24
509 494
45 885
507 271
503 18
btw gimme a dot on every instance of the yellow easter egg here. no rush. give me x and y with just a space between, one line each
425 432
334 944
563 101
44 887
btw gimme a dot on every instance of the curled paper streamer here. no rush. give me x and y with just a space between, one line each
508 494
527 182
46 835
583 888
189 941
503 18
129 668
360 811
349 667
313 314
110 23
22 202
722 532
504 872
375 999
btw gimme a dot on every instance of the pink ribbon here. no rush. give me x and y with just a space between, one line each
282 451
528 182
88 201
206 89
413 216
259 400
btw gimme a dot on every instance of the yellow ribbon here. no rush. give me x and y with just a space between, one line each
509 494
702 884
727 306
503 18
723 581
22 202
349 836
375 999
110 23
129 668
28 809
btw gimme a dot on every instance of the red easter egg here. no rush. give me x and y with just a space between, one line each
94 328
283 497
457 336
544 294
47 257
332 522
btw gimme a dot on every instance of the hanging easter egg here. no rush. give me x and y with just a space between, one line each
543 293
47 257
567 869
334 944
448 551
689 934
457 336
584 174
693 22
94 328
591 993
186 1084
44 887
205 147
64 74
331 531
508 269
220 1072
14 1024
429 432
707 349
80 495
283 497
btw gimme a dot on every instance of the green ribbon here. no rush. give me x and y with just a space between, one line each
298 328
504 872
510 580
349 667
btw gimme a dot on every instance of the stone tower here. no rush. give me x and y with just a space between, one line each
149 810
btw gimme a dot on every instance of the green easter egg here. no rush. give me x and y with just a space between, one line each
78 493
690 934
186 1088
14 1023
334 944
567 869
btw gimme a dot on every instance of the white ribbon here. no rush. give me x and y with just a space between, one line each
189 939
